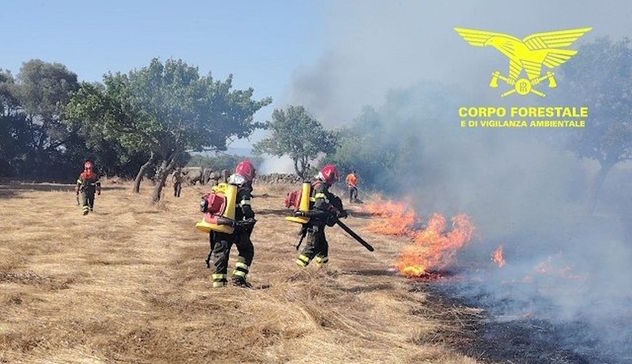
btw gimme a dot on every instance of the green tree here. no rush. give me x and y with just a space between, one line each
298 135
33 140
167 110
14 133
42 89
601 77
219 161
8 101
188 112
116 132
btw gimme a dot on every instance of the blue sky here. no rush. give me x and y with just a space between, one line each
332 56
261 43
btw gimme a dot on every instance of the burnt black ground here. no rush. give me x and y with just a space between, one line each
491 338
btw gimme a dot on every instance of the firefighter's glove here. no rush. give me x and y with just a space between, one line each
333 210
299 213
342 214
331 220
245 223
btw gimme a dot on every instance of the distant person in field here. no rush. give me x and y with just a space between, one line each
325 209
177 182
87 184
352 186
244 224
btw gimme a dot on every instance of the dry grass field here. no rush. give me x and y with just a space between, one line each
128 283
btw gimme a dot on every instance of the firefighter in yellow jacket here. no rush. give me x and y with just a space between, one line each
325 208
243 226
87 185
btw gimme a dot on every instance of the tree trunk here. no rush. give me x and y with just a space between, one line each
600 178
141 173
296 169
166 167
304 167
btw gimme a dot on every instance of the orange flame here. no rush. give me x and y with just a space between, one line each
497 257
394 218
434 247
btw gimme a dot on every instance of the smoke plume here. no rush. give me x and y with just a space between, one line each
523 189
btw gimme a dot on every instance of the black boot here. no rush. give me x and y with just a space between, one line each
241 282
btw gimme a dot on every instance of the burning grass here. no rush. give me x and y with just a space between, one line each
433 248
498 258
391 217
128 283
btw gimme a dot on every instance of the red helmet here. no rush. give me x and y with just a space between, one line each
329 174
246 170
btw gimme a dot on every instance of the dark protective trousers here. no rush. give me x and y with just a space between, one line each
316 247
87 201
353 194
177 189
222 243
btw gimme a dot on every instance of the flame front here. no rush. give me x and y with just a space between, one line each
432 248
393 218
435 247
498 258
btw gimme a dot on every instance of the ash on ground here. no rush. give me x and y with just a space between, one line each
492 335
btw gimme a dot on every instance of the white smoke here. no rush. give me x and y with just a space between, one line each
272 164
375 46
521 187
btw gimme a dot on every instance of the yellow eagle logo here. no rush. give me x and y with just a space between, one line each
529 54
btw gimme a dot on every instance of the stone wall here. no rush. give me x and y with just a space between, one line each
281 178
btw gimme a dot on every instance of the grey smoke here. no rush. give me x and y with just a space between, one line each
375 46
523 188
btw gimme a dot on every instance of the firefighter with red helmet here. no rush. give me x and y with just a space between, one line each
243 226
87 184
325 208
